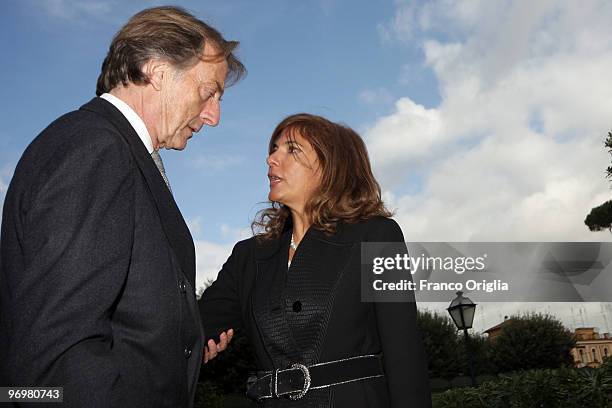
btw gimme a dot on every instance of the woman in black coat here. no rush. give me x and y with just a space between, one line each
295 288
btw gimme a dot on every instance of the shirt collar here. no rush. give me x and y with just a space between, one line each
132 117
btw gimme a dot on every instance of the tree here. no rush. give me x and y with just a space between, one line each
441 344
230 370
480 352
601 217
532 341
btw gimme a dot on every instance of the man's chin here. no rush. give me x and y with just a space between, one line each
179 147
178 144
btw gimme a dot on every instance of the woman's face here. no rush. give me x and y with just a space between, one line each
293 171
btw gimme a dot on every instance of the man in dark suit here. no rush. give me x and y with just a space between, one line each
97 267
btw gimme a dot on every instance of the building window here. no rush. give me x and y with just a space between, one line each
594 355
582 356
605 352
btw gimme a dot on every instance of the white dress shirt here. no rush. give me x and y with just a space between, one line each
132 117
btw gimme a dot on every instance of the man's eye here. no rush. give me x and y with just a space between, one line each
208 95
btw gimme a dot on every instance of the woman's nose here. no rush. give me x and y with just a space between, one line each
272 159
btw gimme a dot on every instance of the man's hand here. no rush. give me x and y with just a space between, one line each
211 349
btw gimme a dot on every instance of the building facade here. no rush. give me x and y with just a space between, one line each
591 347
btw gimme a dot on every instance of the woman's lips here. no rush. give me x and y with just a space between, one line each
274 180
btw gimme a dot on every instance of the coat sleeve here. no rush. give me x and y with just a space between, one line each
76 239
403 351
219 305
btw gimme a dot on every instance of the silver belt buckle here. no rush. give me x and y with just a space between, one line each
274 383
299 394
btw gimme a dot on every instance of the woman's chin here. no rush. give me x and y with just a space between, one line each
277 198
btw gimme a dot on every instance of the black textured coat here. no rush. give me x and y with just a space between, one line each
97 270
312 313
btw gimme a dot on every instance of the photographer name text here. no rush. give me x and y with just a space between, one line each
424 285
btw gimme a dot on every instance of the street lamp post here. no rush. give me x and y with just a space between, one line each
462 311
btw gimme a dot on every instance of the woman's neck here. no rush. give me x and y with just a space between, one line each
301 223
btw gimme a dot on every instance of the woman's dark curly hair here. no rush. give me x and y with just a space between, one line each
348 191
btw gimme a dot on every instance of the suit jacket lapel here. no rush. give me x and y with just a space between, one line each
172 221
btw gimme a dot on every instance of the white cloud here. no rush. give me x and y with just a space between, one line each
403 24
234 234
210 257
195 225
514 150
407 136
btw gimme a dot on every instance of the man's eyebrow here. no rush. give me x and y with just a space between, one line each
219 88
217 85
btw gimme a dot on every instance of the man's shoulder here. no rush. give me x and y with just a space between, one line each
74 139
78 129
86 124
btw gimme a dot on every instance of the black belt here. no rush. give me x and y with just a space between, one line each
298 379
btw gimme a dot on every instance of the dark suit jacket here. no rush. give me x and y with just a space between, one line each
313 313
97 270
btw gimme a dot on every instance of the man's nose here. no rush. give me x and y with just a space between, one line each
211 114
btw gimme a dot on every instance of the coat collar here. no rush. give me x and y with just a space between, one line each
267 249
174 225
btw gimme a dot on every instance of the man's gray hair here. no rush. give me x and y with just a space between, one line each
168 33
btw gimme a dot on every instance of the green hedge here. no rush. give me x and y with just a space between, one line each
543 388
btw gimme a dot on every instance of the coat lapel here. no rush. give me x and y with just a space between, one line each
268 302
173 223
317 266
316 269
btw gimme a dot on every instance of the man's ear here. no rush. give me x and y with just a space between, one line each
155 70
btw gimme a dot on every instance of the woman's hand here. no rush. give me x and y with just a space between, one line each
211 349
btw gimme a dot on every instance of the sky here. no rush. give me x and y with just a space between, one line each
484 120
